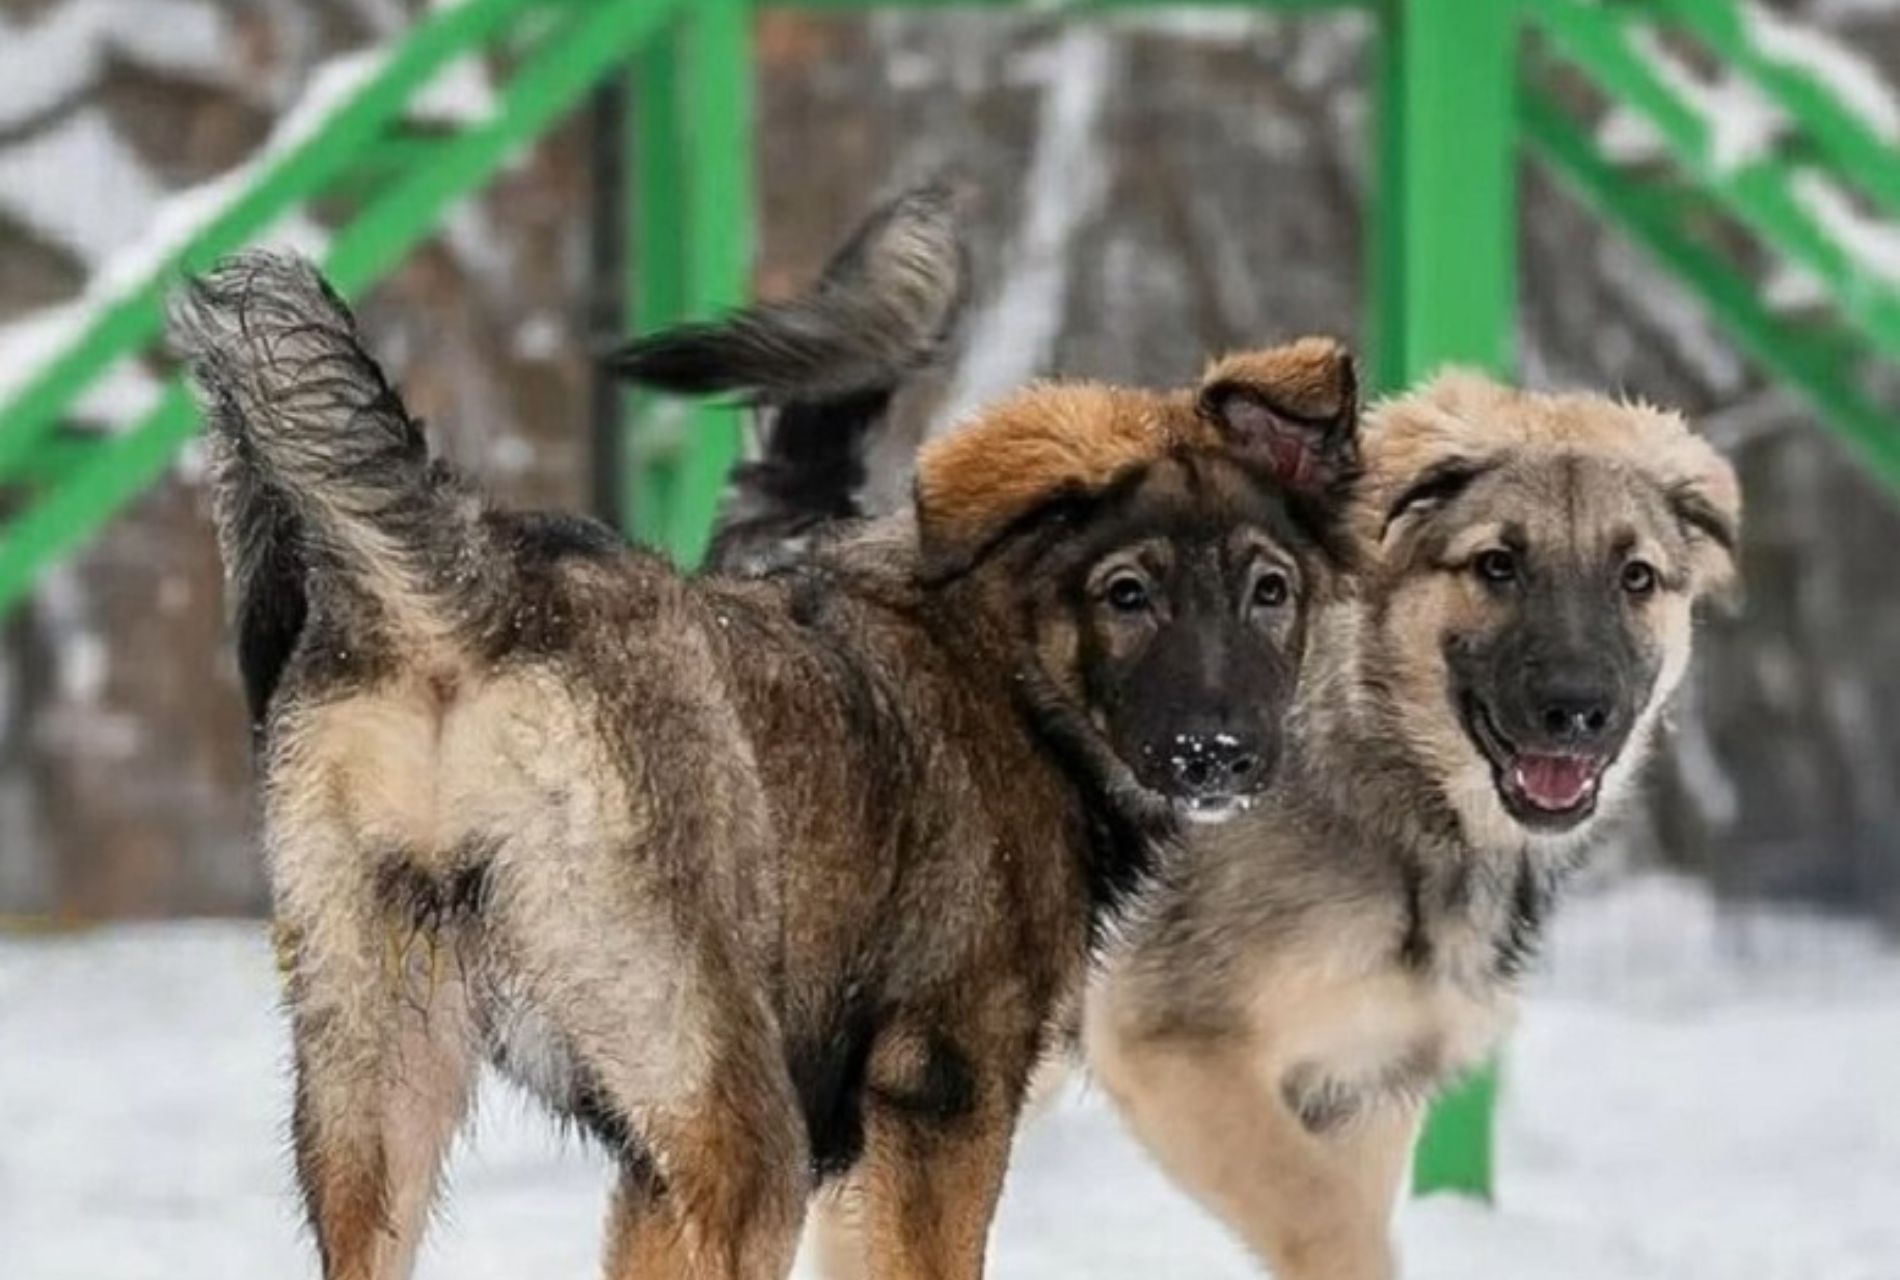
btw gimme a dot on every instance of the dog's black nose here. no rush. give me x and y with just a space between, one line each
1574 713
1215 764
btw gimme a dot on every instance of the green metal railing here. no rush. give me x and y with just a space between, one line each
1686 214
63 485
1454 92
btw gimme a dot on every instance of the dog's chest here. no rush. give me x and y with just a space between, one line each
1343 1039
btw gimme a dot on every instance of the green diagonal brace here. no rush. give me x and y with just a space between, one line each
133 323
1873 435
1444 262
552 80
1760 192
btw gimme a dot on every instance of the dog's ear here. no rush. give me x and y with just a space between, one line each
1036 451
1706 499
1294 408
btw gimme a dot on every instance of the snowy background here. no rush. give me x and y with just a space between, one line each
1689 1098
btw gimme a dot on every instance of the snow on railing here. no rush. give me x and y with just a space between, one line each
50 362
1828 209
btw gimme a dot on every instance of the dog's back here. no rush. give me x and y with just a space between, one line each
701 863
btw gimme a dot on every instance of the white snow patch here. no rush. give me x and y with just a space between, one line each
133 241
1065 186
479 247
48 62
1792 287
1856 82
79 186
126 390
541 337
1709 1112
1741 124
1871 242
1626 136
191 464
462 93
510 455
1199 26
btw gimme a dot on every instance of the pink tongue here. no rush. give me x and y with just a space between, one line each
1554 782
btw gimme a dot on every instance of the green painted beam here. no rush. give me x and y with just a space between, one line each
1760 193
91 493
656 283
1840 135
134 324
717 186
1443 259
692 234
561 69
556 74
1779 347
1445 201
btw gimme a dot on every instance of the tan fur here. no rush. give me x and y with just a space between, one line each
1080 437
973 482
1310 376
1272 979
1312 1207
1464 414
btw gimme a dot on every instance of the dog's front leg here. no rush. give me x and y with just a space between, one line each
1314 1203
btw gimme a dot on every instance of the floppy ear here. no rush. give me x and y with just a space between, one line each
1706 499
1294 408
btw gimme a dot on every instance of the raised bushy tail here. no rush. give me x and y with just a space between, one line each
318 471
822 367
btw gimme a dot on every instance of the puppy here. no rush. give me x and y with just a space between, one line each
765 884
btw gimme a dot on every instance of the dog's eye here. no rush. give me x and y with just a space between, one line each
1497 566
1271 590
1126 593
1639 577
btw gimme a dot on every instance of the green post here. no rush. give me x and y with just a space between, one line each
655 264
1443 269
716 71
691 242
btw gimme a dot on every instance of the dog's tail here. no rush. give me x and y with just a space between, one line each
318 471
822 368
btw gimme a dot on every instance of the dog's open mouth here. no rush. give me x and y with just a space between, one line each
1211 811
1549 789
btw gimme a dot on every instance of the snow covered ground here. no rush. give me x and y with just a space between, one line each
1689 1099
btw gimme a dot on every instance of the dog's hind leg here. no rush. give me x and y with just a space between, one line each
930 1190
942 1095
667 1052
714 1182
834 1234
384 1061
728 1202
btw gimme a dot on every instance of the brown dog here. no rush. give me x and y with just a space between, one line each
762 883
1474 708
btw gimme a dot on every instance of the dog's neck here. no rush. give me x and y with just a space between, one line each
1120 832
1476 902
